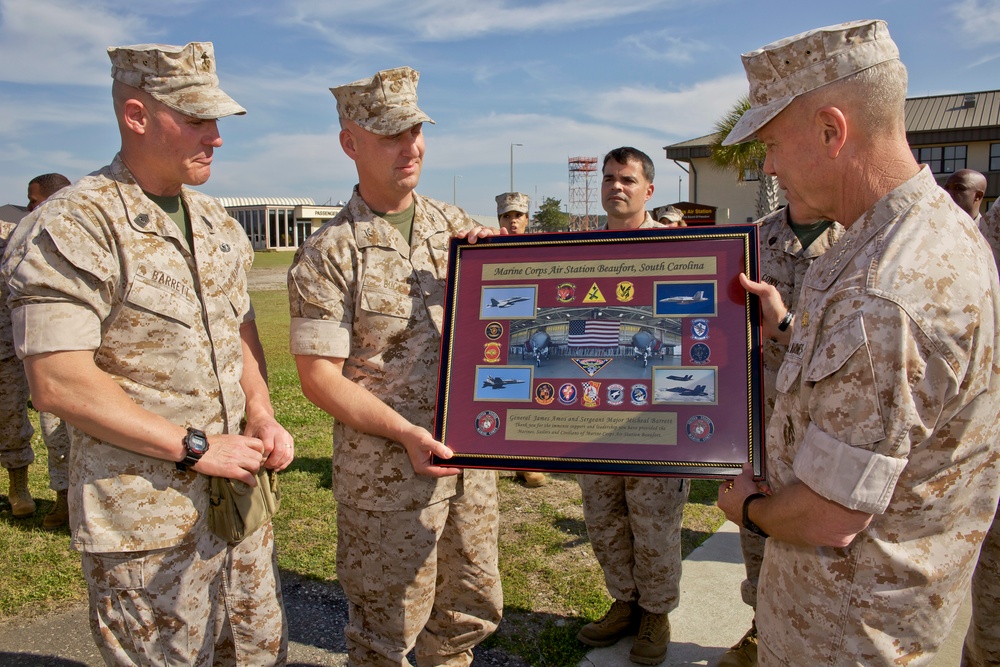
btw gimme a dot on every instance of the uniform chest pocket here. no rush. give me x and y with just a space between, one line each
381 301
837 345
163 302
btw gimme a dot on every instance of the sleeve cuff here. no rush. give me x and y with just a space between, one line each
320 338
54 327
853 477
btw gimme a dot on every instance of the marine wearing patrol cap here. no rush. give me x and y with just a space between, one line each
670 213
512 201
385 104
181 77
783 70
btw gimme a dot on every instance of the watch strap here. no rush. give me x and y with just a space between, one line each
747 523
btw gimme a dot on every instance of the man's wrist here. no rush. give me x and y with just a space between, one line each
747 523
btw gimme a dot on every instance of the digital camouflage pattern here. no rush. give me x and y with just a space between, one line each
634 524
783 264
437 586
385 104
648 223
182 77
101 267
142 607
787 68
887 403
15 428
982 641
989 225
55 434
358 292
512 201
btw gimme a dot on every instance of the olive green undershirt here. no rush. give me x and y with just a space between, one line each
402 221
174 208
809 233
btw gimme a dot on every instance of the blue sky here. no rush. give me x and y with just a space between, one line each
562 77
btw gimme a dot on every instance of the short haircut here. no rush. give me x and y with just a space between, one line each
627 154
877 94
49 184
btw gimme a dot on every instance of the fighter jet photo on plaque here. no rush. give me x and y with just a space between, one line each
603 352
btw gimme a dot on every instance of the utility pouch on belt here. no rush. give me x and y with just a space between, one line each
238 509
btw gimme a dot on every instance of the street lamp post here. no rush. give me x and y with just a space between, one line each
512 165
454 189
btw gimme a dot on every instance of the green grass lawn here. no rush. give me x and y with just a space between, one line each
552 582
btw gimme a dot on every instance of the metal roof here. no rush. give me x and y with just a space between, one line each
232 202
961 111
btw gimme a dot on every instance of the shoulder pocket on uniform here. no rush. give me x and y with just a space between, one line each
788 373
79 248
165 303
835 347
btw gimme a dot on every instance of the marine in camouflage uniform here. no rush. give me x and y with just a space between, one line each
416 553
887 397
783 264
982 641
634 522
112 300
15 428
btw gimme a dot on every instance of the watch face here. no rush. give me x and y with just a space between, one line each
197 443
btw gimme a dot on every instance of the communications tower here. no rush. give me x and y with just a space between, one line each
583 189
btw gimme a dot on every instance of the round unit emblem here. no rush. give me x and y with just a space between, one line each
487 422
700 428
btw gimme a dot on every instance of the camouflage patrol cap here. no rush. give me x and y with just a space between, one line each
181 77
385 104
783 70
512 201
671 213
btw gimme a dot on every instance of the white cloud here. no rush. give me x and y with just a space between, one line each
61 41
978 22
450 20
664 45
683 114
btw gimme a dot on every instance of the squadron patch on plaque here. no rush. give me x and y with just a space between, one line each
700 353
639 395
616 394
699 329
591 394
487 422
494 330
565 293
567 394
591 365
545 393
491 353
700 428
625 291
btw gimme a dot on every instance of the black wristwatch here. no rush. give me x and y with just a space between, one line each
196 444
747 523
786 321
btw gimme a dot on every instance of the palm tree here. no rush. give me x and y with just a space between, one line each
746 159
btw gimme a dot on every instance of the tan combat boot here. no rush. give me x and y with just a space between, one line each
21 504
58 516
619 621
650 647
744 652
532 480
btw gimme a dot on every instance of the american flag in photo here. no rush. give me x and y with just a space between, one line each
593 333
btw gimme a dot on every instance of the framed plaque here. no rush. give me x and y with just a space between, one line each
603 352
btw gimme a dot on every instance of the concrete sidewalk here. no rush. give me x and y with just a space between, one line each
710 618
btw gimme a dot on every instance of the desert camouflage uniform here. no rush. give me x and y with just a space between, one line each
15 429
417 556
56 437
634 525
887 404
100 267
783 263
648 223
982 641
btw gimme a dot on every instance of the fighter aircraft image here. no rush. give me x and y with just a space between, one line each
679 378
506 303
684 391
499 383
646 345
698 297
538 346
